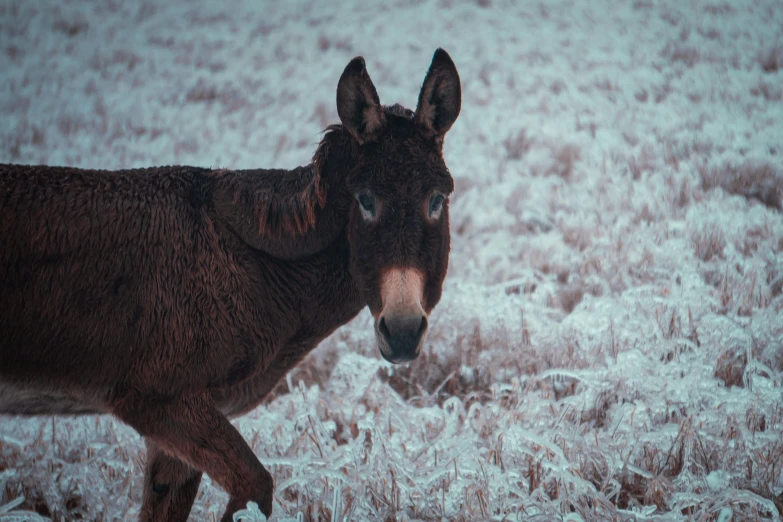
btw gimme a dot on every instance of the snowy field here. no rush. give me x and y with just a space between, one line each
610 341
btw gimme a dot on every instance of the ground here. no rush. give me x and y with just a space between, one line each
610 341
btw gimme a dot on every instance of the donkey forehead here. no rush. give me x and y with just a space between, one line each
403 166
405 178
402 161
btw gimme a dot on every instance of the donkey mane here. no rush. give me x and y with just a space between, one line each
285 200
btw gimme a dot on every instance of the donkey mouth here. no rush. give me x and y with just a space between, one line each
399 359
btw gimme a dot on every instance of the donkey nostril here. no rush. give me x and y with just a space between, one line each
422 328
400 328
384 329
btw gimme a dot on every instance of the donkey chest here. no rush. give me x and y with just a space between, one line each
330 303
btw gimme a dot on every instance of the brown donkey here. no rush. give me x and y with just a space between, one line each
177 297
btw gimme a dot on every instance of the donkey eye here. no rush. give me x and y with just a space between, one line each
436 205
367 203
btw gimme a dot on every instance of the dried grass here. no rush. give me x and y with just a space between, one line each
569 297
730 368
71 28
757 180
646 162
565 157
517 145
719 9
202 92
769 91
708 242
671 16
771 59
677 52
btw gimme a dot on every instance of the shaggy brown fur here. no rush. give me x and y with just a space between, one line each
177 297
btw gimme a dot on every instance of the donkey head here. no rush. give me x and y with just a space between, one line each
398 227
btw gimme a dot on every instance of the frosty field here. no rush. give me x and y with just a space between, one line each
609 345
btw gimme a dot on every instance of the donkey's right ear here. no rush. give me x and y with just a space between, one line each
357 102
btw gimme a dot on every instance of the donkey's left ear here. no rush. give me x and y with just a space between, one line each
440 98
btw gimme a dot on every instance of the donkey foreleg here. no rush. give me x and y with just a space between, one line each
194 431
170 487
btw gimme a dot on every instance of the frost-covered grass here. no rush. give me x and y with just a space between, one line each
610 340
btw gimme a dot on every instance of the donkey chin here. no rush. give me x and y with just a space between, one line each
401 327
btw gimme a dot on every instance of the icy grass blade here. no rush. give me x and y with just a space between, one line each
563 374
251 514
299 518
335 504
6 514
11 505
23 516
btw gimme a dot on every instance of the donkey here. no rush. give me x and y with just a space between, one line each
177 297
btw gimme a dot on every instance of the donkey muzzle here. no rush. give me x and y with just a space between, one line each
402 324
402 336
